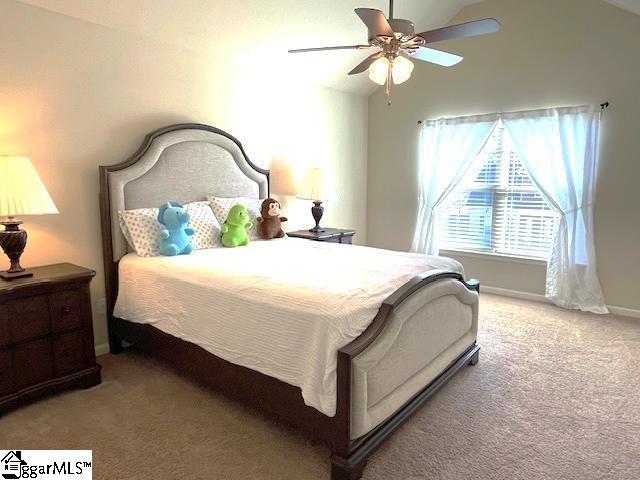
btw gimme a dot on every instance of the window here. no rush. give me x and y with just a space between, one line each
497 208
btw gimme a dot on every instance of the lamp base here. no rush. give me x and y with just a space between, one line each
12 276
13 240
317 210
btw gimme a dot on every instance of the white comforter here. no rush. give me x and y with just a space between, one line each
282 307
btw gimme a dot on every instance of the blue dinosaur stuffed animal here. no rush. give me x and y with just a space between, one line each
176 237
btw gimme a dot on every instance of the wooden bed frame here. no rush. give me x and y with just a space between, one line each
276 399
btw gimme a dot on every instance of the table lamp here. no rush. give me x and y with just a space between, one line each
21 193
317 186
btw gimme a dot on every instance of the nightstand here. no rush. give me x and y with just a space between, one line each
46 334
333 235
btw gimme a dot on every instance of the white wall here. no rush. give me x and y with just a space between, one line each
75 95
549 53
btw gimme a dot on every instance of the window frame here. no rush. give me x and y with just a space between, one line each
499 205
505 257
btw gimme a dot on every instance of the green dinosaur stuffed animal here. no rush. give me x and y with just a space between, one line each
234 230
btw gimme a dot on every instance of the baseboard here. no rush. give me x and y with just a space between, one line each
102 349
536 297
624 312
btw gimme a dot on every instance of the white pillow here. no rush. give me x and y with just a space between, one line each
222 205
142 230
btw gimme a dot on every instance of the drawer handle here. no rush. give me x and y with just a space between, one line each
66 310
67 353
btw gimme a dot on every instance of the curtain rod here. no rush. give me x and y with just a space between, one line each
602 107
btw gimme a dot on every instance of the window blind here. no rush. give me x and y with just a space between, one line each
497 208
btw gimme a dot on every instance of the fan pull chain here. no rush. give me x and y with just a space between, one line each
389 83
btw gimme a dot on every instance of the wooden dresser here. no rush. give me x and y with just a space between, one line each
46 334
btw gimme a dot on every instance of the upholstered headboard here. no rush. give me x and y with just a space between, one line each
184 162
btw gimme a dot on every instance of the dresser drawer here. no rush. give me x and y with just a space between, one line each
4 326
67 309
68 353
33 363
28 318
6 373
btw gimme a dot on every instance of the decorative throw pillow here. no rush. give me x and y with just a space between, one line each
206 225
142 230
222 205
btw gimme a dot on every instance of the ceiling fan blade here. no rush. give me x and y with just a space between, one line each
469 29
322 49
375 21
435 56
366 63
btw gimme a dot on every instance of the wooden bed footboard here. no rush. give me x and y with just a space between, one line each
349 457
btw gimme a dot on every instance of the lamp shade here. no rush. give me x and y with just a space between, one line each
379 70
401 70
317 185
21 190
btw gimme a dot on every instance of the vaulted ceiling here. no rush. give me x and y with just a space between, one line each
632 6
256 34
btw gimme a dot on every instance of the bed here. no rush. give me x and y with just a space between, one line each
342 342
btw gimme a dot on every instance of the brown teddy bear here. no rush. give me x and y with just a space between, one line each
270 224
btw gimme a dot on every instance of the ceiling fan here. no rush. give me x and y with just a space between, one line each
396 42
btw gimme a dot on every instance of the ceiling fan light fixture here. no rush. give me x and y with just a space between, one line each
401 70
379 70
397 45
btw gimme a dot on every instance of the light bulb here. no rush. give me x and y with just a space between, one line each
401 70
379 70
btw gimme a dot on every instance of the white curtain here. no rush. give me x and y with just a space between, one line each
447 149
559 149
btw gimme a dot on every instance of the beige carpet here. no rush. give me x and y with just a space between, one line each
556 396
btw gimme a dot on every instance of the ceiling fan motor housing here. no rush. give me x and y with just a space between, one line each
401 27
